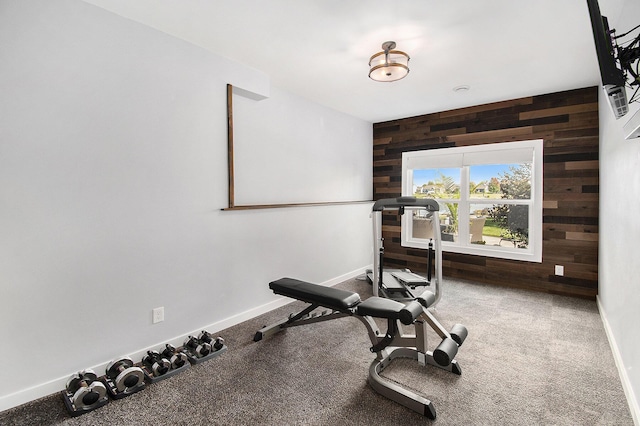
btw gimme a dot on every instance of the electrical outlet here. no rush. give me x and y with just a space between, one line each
158 314
559 270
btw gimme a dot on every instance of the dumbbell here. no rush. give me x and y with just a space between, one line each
198 347
86 389
124 374
177 358
157 363
217 343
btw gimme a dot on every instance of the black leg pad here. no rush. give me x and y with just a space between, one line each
445 352
427 298
459 333
410 312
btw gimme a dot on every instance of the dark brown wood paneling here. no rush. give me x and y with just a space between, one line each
568 124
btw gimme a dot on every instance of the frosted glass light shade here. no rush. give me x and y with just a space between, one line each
389 65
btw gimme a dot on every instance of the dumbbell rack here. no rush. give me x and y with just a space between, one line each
112 391
194 359
74 411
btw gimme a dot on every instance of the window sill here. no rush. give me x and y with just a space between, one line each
526 255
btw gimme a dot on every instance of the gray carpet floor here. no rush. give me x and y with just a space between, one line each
530 359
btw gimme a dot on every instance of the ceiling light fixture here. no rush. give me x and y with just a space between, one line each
389 65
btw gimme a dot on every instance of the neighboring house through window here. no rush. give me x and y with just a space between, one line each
490 198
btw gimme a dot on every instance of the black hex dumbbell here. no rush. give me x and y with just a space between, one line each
156 363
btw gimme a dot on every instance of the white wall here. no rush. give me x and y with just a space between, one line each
619 267
113 171
291 145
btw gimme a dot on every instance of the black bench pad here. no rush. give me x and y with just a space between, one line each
328 297
380 308
385 308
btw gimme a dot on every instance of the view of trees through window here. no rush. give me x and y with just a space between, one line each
495 214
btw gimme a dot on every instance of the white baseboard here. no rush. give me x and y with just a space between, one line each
56 385
624 378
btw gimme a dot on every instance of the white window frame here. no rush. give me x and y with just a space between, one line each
463 158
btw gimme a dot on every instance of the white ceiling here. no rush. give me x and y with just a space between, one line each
320 49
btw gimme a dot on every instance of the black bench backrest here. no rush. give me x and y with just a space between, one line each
328 297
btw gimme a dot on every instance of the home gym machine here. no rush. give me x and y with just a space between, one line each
387 346
402 284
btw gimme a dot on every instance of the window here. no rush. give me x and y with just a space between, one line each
490 198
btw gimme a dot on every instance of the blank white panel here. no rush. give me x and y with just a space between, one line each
314 154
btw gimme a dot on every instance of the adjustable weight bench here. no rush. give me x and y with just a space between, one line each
388 346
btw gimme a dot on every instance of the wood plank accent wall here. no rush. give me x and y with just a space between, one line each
568 124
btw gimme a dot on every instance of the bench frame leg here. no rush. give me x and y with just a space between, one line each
304 317
393 390
412 346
